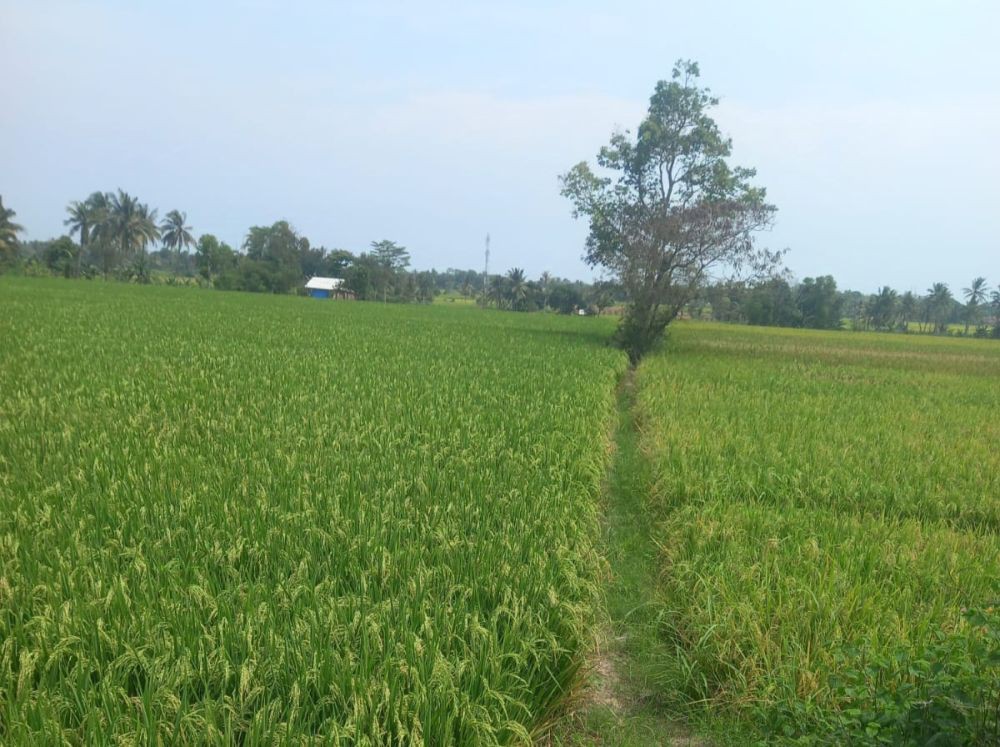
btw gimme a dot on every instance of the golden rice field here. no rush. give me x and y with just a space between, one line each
828 505
246 519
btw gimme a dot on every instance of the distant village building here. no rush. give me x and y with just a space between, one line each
328 288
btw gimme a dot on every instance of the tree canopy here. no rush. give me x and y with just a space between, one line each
174 233
666 209
115 231
8 234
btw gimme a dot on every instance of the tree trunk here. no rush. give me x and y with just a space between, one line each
83 247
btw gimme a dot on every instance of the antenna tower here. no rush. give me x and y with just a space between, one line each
486 266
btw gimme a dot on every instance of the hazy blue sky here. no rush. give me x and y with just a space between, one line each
874 125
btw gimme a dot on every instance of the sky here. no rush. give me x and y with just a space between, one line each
873 125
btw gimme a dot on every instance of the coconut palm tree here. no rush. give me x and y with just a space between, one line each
517 288
938 306
544 281
8 233
146 228
83 219
974 295
907 309
496 292
147 232
79 220
102 239
995 304
131 226
883 308
176 236
121 222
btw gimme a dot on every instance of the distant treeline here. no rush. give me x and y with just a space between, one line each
114 235
816 303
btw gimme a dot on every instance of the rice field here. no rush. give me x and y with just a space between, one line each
234 518
246 519
827 507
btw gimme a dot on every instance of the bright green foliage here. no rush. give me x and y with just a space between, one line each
825 502
945 690
238 518
819 303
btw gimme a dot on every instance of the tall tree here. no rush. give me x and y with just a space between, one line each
213 257
61 255
362 276
517 288
937 308
131 226
424 287
272 257
728 301
391 259
907 309
122 220
602 295
819 303
83 218
102 240
147 232
8 234
545 282
175 234
995 309
974 295
338 261
883 308
79 220
772 303
675 211
565 297
496 291
390 254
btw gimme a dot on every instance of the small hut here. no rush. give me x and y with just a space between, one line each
318 287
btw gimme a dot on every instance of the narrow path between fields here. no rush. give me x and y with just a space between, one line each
620 704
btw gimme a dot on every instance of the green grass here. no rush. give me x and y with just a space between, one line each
454 298
629 708
241 518
815 493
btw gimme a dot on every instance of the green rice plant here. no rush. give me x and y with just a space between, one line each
238 518
816 493
882 425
